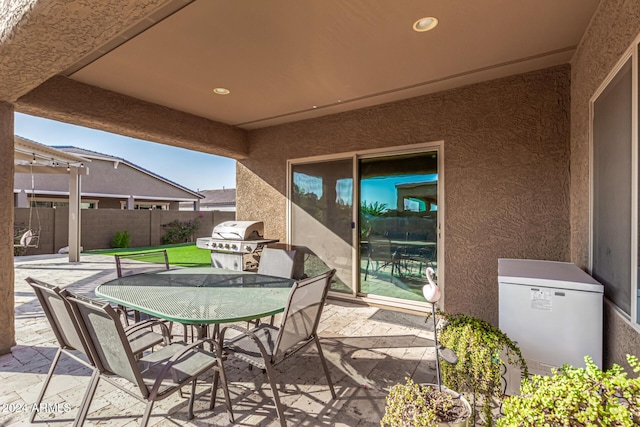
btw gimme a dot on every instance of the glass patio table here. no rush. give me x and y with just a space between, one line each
200 296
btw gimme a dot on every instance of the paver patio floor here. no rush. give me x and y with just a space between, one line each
368 350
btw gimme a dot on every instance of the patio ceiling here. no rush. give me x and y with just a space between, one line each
285 61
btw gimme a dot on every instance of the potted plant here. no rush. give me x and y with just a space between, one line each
577 397
430 404
479 346
416 405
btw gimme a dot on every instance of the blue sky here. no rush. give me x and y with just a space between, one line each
383 189
192 169
379 189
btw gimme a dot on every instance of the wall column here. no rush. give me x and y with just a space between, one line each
131 203
22 200
75 233
7 328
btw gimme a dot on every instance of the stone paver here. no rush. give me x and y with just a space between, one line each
367 353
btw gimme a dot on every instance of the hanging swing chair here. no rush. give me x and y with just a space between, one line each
30 238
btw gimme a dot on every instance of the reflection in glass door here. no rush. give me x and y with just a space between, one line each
398 224
322 217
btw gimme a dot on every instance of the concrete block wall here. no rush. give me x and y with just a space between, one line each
61 234
100 225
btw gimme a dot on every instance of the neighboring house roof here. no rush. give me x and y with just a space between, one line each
89 154
223 197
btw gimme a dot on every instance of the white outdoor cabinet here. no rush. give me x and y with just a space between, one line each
553 310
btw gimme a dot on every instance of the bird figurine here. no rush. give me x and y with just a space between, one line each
431 291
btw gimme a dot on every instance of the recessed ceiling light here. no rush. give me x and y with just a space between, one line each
425 24
221 91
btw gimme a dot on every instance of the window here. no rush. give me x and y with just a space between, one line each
62 203
614 183
147 206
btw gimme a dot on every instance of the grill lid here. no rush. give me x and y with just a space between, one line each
239 230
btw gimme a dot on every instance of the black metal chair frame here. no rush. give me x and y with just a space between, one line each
379 249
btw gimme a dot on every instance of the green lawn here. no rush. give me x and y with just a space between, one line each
182 254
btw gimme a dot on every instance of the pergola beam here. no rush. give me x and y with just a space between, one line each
58 170
34 158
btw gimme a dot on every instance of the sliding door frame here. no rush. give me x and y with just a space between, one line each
355 156
319 159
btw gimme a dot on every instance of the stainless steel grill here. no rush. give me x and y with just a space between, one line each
231 241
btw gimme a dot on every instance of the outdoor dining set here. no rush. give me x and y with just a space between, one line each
126 335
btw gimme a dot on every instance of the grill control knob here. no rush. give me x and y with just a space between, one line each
220 245
248 248
234 247
226 246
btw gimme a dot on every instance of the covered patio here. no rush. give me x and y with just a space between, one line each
496 111
368 350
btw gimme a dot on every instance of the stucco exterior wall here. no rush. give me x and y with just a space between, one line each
612 30
506 150
103 178
109 203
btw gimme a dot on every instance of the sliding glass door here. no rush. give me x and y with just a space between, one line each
321 218
373 216
398 223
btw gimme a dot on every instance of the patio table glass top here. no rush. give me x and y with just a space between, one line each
200 296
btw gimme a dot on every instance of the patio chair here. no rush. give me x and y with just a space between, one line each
157 375
276 262
423 256
143 262
266 346
140 262
67 331
380 251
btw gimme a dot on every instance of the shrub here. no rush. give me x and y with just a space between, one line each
121 239
577 397
479 346
179 231
367 213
